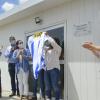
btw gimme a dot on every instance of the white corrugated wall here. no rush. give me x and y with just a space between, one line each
83 67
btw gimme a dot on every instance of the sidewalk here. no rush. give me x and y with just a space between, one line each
5 96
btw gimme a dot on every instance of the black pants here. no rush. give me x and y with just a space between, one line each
41 84
14 85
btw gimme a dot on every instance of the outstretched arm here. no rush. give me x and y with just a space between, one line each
93 48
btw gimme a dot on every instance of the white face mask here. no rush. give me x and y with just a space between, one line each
21 46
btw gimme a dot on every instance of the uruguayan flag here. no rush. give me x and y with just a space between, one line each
35 44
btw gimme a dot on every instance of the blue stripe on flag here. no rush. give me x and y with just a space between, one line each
32 49
42 62
38 43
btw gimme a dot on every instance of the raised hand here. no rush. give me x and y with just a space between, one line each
87 45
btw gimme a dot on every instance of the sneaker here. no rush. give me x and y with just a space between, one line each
42 98
48 99
18 95
12 94
26 98
34 98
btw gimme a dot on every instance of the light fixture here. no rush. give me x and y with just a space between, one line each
37 20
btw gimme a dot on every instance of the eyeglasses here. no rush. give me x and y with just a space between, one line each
20 43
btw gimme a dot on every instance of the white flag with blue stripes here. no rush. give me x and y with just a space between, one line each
35 44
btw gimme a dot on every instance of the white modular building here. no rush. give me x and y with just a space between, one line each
73 22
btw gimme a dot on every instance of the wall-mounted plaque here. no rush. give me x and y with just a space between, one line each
82 29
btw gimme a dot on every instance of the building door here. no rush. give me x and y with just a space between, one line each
57 32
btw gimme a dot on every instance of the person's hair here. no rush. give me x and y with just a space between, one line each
18 43
11 38
57 40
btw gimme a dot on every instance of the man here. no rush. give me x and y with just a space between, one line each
11 65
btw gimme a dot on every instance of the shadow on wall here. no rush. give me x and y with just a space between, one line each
72 92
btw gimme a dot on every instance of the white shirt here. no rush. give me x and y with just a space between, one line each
52 56
8 54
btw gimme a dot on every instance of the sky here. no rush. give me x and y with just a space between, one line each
6 5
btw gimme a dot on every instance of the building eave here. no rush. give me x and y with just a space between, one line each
29 8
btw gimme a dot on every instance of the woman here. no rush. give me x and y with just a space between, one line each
51 74
22 57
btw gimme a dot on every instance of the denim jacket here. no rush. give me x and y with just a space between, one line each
9 54
25 62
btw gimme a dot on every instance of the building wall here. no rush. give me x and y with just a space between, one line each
82 68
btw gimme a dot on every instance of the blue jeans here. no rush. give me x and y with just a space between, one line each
52 81
42 84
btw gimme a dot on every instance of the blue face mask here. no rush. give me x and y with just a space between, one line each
13 43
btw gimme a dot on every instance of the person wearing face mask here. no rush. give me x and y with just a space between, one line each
52 72
11 65
22 57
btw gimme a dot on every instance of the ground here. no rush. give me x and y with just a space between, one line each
5 96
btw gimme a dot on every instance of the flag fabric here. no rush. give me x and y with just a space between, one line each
35 44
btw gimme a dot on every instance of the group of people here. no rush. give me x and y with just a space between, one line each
18 67
46 68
